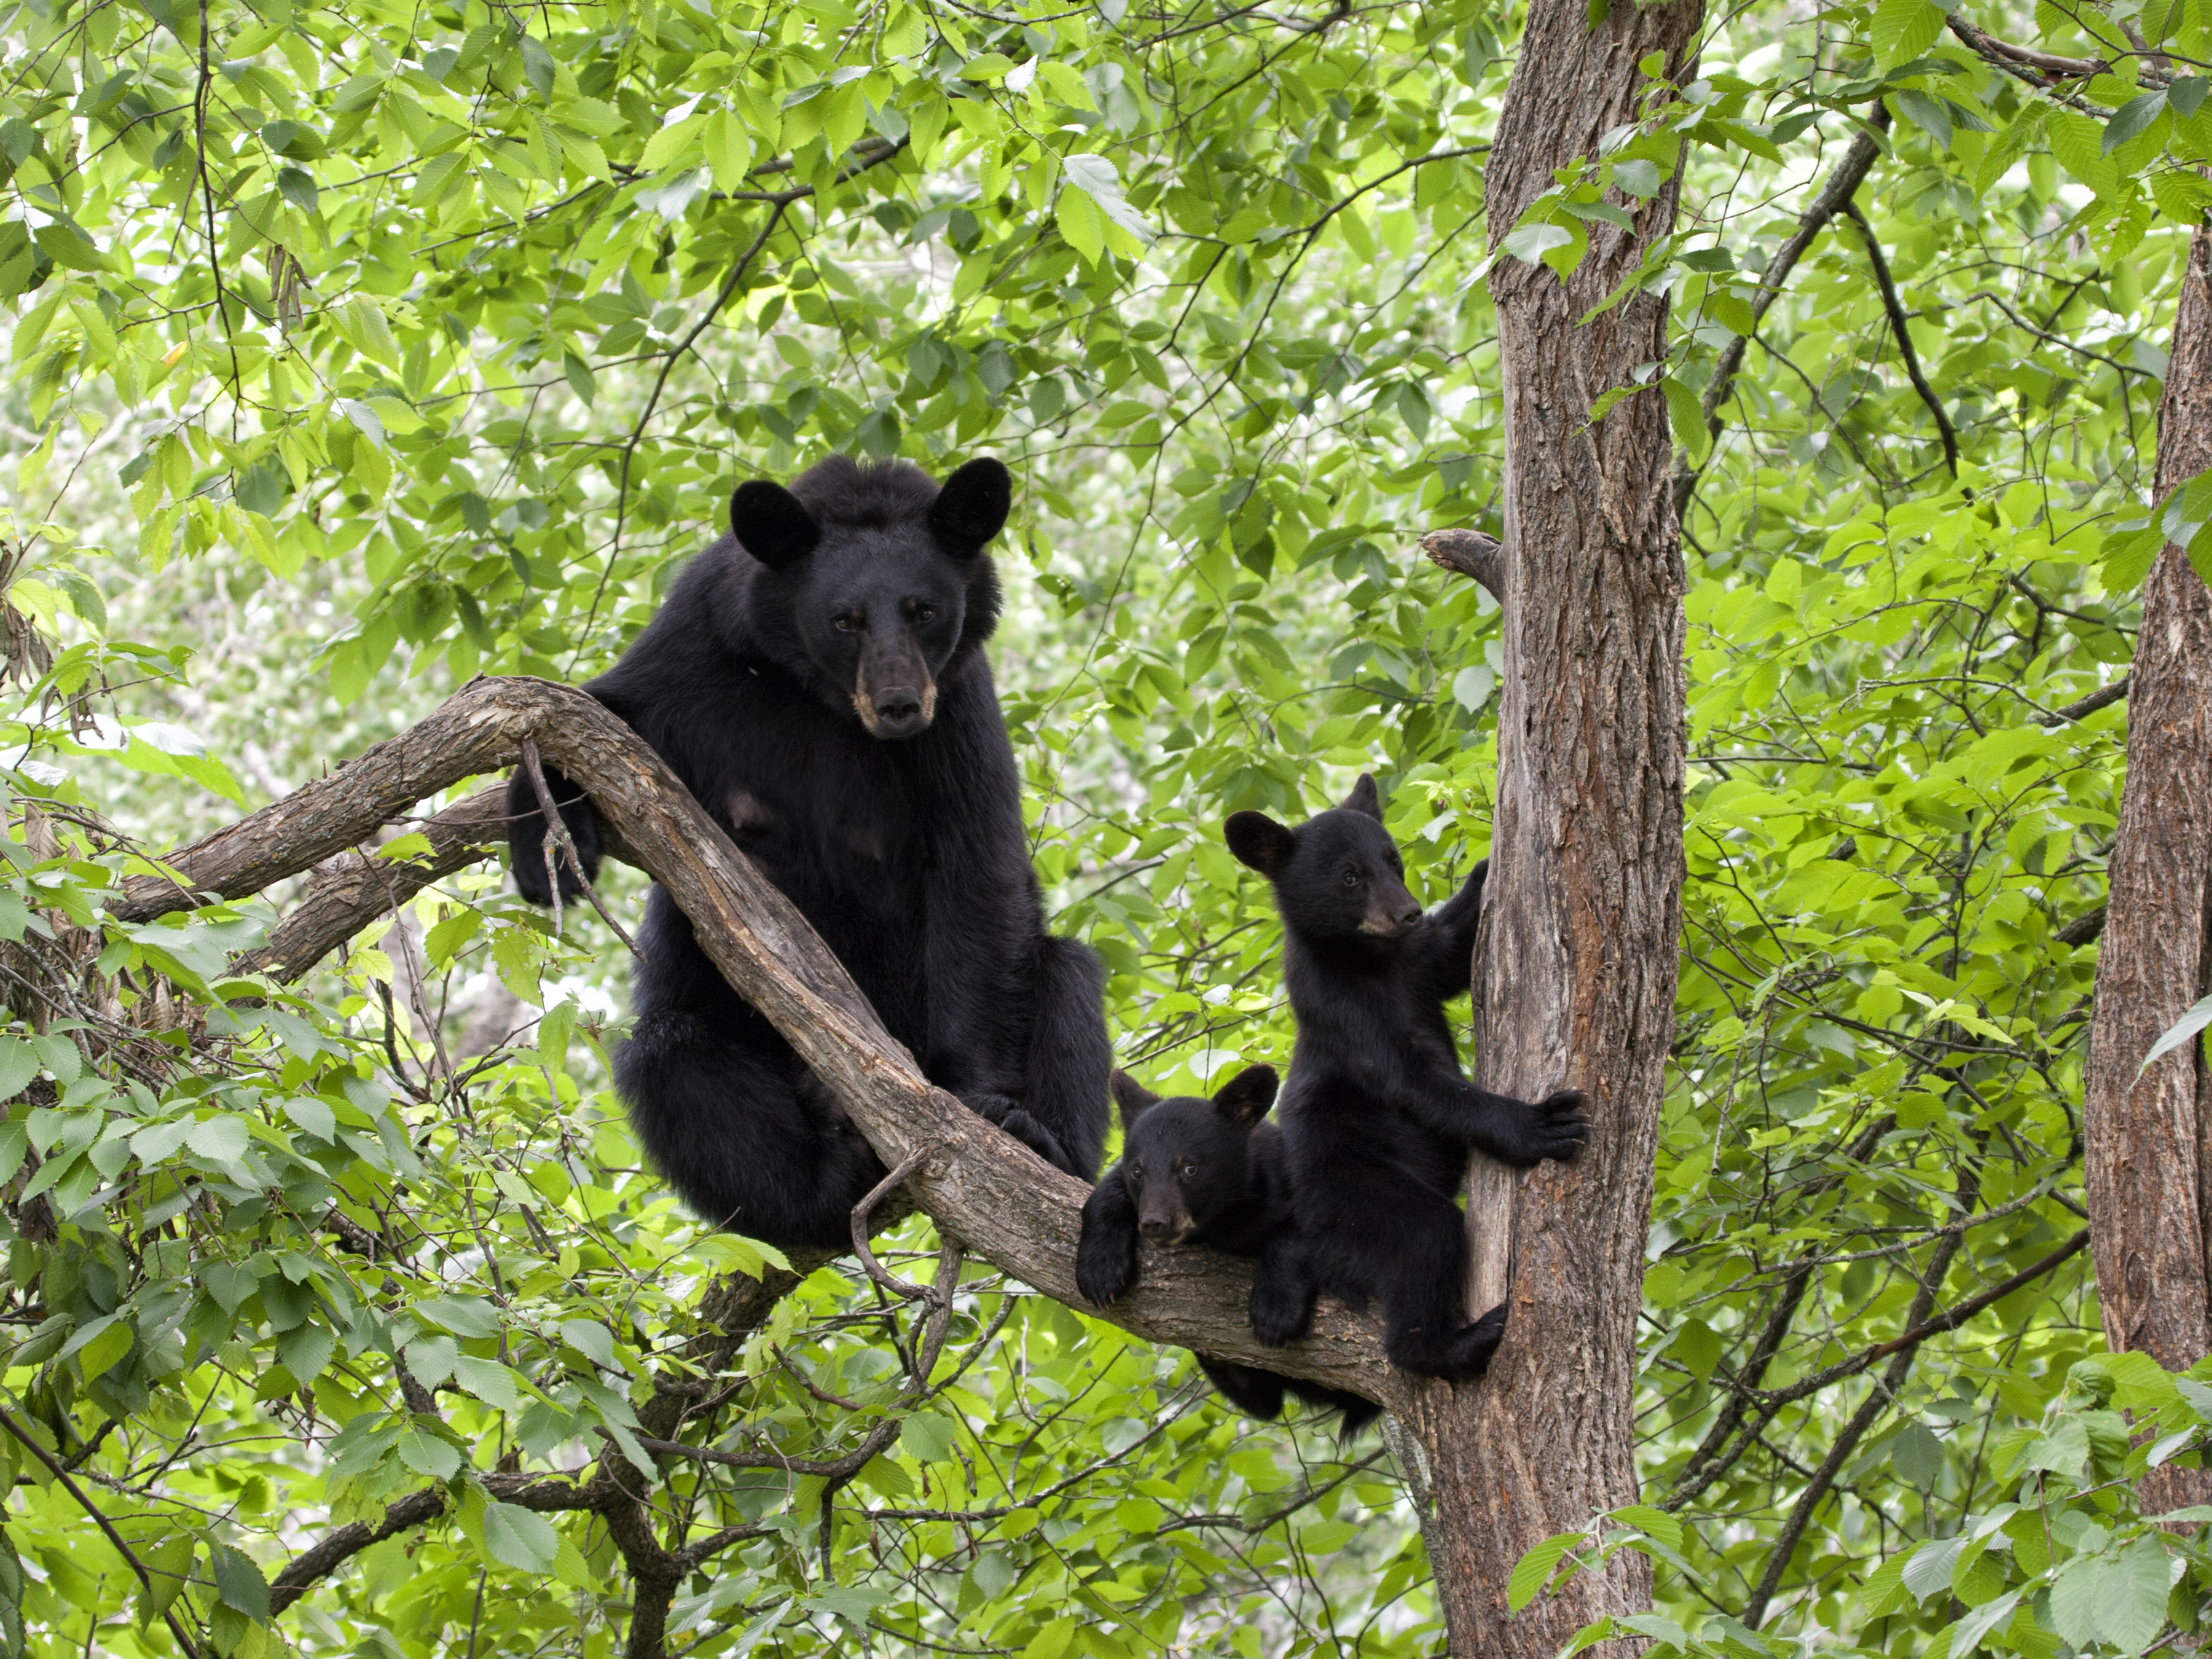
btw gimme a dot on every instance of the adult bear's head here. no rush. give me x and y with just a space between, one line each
874 579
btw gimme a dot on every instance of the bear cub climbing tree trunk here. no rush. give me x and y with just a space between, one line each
1575 967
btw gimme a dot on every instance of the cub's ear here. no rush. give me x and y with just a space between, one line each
1259 842
771 524
972 507
1132 1097
1364 797
1245 1098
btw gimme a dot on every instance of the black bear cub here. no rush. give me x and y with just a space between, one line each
1378 1119
817 678
1198 1171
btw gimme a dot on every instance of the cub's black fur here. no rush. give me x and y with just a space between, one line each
817 679
1377 1117
1198 1171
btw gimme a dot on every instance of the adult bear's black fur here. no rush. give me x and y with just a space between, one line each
817 680
1377 1117
1198 1171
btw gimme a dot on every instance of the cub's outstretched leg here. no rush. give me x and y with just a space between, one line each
1424 1287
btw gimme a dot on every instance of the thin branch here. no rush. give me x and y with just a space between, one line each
1850 174
1895 307
2102 697
145 1577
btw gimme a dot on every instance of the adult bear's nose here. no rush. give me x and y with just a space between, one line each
899 707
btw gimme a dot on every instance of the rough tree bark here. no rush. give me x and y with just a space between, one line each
2149 1137
1575 967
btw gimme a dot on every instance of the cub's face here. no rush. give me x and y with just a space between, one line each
1187 1159
1338 875
876 574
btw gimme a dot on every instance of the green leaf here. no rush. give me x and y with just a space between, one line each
1081 222
519 1538
1903 29
2131 119
2198 1016
1534 1570
1530 243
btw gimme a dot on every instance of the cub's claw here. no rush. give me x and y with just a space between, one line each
1279 1316
1563 1124
1102 1279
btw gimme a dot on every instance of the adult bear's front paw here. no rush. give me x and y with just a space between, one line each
1016 1122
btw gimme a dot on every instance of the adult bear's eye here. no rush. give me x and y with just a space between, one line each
846 624
1188 1169
925 613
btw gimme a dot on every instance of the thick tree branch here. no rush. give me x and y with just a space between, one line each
985 1189
1471 553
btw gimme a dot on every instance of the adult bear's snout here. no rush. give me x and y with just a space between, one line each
895 698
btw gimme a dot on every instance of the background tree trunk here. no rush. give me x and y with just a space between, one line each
1575 970
2149 1137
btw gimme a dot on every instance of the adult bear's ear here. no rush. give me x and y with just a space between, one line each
1132 1097
1259 842
972 507
772 524
1245 1098
1364 797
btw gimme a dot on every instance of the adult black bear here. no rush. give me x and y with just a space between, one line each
817 679
1198 1171
1377 1118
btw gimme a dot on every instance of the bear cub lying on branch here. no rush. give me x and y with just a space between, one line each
817 679
1377 1118
1198 1171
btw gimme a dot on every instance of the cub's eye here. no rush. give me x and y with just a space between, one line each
1352 878
847 624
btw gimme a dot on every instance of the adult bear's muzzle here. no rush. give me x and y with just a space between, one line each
894 694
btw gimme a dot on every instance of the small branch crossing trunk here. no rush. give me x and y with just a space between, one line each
2149 1136
1575 969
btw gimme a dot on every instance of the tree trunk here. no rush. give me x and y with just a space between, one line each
1575 969
2149 1137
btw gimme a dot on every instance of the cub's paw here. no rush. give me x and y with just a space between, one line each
1471 1346
1281 1314
1562 1124
1102 1274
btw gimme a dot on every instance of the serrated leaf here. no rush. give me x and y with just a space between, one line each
1903 29
1081 224
1532 1571
519 1538
2131 119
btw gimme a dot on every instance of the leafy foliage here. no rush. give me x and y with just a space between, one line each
363 349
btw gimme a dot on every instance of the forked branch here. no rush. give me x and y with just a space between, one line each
984 1189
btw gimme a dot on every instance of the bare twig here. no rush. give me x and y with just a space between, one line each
1836 190
1895 307
2102 697
866 1208
556 834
